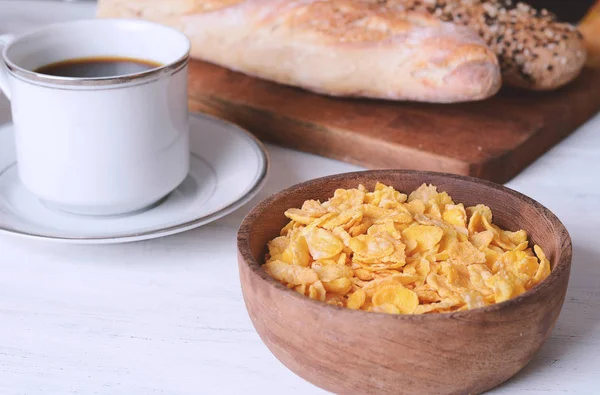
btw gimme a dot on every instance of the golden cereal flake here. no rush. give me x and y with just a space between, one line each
544 268
345 199
356 299
297 251
322 243
456 215
384 251
332 272
466 253
290 274
317 291
388 308
340 286
404 299
482 240
422 237
278 245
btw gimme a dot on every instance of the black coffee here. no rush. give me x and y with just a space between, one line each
97 67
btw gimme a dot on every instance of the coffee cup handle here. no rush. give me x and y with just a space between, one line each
4 40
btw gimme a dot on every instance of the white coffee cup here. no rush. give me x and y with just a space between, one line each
99 146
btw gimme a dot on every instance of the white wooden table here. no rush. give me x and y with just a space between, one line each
167 316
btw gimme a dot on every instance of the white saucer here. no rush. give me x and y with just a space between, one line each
228 168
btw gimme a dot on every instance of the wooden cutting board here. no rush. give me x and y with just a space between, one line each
493 139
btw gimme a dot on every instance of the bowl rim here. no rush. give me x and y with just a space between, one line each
560 233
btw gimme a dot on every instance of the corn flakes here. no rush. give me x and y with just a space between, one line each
356 299
388 252
322 243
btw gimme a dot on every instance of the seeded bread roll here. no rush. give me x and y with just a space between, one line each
534 50
336 47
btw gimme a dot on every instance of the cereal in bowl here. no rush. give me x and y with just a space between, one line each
387 252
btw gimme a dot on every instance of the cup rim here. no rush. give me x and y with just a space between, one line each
143 76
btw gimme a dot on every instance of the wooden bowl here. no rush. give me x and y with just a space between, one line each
356 352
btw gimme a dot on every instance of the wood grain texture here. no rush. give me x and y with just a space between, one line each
355 352
494 139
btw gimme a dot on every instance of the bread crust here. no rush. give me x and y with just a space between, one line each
334 47
535 51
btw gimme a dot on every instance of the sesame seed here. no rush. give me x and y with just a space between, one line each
517 33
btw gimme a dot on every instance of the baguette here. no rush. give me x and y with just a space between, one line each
335 47
534 50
